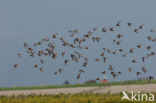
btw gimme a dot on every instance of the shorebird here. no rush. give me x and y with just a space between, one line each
136 30
138 73
134 60
111 28
66 62
60 70
15 65
81 71
19 55
95 28
131 50
118 23
42 61
141 26
104 59
144 69
148 47
98 78
119 36
55 35
104 72
85 64
26 45
104 30
55 73
129 24
143 59
36 65
139 46
130 69
78 76
41 69
86 59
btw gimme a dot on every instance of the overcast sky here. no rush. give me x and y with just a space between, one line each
30 20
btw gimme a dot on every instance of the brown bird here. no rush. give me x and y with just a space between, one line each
36 65
136 30
138 73
19 55
151 78
56 73
148 47
149 38
139 46
111 28
15 65
95 28
141 26
109 51
81 71
143 59
104 59
144 69
66 62
104 72
97 78
104 30
120 50
86 59
119 36
118 23
85 64
97 59
60 70
63 53
55 35
54 56
87 47
113 74
42 61
110 68
130 69
134 61
118 42
102 54
73 57
131 50
26 45
41 69
78 76
152 53
119 72
115 40
124 55
129 24
148 55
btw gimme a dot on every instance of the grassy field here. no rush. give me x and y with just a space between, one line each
79 85
68 98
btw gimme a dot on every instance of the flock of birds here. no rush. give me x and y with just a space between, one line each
76 44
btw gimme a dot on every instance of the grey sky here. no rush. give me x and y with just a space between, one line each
30 20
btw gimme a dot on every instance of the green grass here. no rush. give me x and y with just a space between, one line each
69 98
79 85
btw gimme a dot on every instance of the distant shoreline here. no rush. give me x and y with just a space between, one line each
101 89
132 82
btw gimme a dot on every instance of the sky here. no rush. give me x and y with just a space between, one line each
30 20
